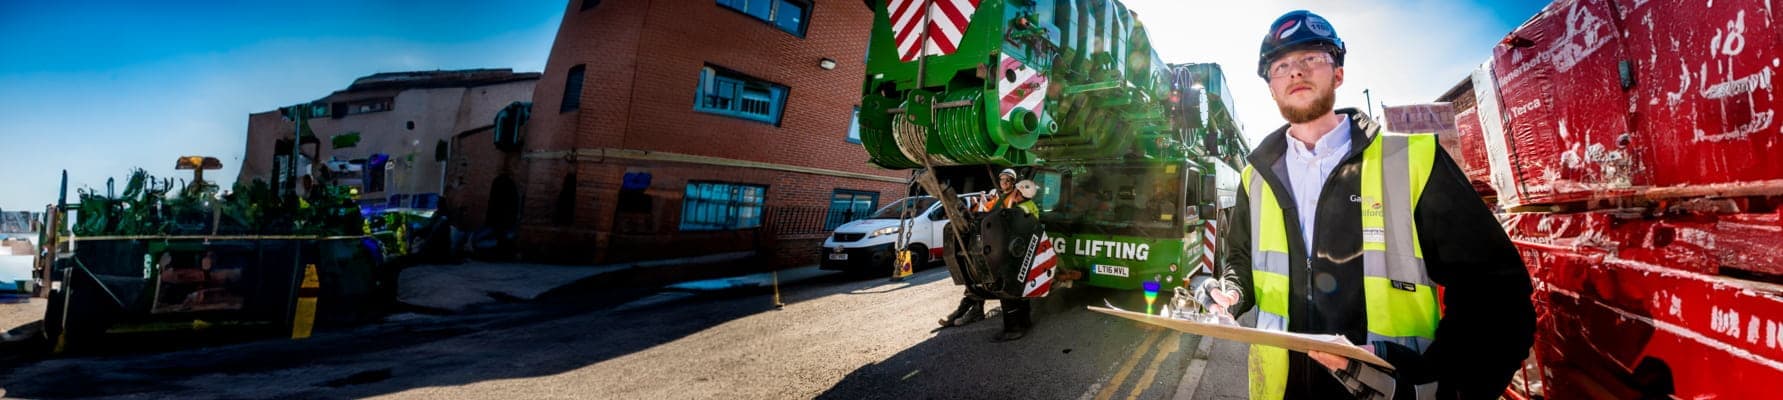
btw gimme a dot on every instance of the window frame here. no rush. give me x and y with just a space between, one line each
343 109
740 86
854 127
773 18
572 100
732 210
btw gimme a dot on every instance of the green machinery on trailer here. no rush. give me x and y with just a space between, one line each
162 259
1132 155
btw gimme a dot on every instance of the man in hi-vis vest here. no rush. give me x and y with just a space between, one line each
1349 230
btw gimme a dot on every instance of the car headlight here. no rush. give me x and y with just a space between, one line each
884 231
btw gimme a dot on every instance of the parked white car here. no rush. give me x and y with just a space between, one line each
868 245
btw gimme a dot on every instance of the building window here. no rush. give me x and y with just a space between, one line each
356 107
714 206
587 4
728 93
572 89
854 127
788 15
848 206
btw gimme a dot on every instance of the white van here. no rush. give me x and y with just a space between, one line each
867 245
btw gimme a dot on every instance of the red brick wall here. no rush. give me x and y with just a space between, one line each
658 234
605 41
643 61
470 173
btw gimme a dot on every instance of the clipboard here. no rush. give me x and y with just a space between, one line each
1334 344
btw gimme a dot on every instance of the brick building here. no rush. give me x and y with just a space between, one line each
402 121
669 129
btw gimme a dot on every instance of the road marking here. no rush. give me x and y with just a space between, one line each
1196 369
1151 371
305 319
1120 377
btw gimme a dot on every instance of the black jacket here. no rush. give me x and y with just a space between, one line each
1488 324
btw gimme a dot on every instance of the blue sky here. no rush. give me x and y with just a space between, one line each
1403 51
100 87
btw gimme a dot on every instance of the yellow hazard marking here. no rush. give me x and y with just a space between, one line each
306 318
310 281
306 305
1120 378
1151 371
904 264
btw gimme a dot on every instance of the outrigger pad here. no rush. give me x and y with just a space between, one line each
1000 248
959 266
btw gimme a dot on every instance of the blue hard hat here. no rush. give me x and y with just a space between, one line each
1298 30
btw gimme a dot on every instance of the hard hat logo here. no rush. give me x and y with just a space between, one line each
1298 30
1318 25
1287 29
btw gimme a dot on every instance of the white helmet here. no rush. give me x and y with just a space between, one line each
1010 172
1027 188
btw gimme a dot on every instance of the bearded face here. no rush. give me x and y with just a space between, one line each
1302 112
1304 85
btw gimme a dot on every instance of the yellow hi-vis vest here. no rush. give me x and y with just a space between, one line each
1395 168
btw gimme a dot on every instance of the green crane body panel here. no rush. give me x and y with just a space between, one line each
1019 82
1073 89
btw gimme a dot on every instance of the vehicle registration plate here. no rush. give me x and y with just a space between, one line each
839 256
1115 270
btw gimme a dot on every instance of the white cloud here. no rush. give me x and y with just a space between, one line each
1404 51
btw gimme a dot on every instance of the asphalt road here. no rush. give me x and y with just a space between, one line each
836 337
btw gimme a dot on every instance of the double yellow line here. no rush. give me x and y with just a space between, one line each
1171 344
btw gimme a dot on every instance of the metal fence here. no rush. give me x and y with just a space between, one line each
807 220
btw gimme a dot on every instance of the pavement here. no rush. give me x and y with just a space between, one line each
827 335
761 280
1224 372
457 288
738 284
834 336
1225 376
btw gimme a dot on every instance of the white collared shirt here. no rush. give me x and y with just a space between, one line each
1308 169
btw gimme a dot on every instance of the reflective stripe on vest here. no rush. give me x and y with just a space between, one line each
1400 298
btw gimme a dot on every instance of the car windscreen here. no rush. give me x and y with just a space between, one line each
895 210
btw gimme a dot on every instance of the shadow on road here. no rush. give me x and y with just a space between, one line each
513 341
1070 352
